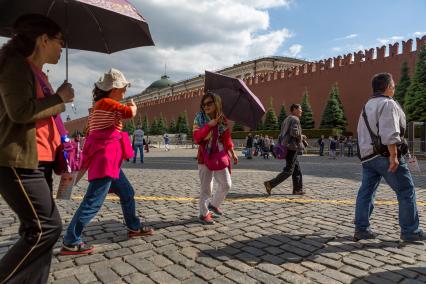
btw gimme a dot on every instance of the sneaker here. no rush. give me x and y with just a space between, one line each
418 236
81 248
215 210
207 220
268 187
143 231
364 235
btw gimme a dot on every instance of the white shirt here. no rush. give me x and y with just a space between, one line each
389 116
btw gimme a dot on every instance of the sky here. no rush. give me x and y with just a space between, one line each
195 35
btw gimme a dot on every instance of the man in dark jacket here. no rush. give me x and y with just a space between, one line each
249 146
292 138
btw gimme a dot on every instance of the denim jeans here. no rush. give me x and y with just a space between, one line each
136 147
400 181
93 200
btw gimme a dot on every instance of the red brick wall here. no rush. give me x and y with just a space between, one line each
352 77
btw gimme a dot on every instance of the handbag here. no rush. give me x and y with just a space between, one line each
279 150
217 161
413 164
127 145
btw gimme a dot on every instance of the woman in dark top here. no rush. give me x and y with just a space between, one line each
36 40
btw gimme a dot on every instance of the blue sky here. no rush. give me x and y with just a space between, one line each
196 35
321 25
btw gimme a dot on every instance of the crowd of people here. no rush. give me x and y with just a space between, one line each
31 126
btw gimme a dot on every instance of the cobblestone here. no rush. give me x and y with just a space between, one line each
270 239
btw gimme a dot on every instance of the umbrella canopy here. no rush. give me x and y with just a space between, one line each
239 103
103 26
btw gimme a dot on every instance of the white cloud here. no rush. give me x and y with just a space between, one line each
336 48
419 34
191 36
350 36
391 39
294 50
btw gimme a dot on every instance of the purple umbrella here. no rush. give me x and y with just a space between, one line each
239 103
103 26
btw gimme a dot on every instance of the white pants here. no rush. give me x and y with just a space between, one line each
222 177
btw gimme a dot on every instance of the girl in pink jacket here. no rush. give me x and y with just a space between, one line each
104 150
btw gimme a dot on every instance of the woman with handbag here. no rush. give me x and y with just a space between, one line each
211 132
27 127
105 148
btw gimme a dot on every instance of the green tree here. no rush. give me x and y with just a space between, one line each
333 116
172 126
237 127
271 122
415 100
259 125
161 125
307 119
129 127
282 116
403 85
145 124
182 126
154 127
337 94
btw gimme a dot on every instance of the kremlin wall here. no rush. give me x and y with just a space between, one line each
352 72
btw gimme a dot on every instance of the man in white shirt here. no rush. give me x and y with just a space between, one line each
386 120
138 143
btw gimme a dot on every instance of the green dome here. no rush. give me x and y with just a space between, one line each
159 84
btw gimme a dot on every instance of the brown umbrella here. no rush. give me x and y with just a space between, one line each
239 103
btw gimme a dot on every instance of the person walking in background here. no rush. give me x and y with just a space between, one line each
381 129
211 132
104 151
332 147
29 137
249 146
321 143
350 145
292 138
166 142
342 142
138 138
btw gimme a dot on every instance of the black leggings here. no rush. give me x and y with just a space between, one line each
29 196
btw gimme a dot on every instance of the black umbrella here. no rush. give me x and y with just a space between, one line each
239 103
103 26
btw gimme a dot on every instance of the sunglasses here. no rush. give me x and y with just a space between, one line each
208 104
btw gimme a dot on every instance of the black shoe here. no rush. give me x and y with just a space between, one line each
418 236
364 235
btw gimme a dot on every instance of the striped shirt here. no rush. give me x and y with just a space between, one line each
108 113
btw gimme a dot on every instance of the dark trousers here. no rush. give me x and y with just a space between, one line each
28 195
292 169
321 150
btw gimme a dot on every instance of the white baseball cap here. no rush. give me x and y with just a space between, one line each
113 79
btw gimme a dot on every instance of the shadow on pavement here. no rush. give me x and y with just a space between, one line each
411 275
283 248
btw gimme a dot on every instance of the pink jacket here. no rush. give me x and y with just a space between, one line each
103 153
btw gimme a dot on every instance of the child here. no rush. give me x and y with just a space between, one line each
104 151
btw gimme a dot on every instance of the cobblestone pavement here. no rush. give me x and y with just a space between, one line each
277 239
